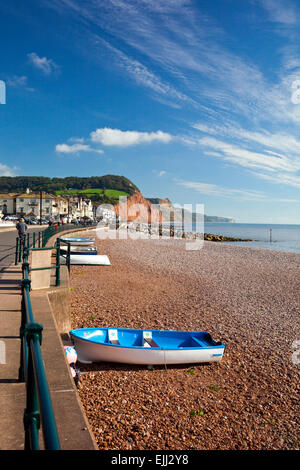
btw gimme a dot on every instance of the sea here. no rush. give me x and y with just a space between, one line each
268 236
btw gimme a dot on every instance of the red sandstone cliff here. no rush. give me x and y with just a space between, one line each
138 209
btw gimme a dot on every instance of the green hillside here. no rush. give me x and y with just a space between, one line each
95 194
105 188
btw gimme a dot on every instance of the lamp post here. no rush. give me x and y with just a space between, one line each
41 206
68 197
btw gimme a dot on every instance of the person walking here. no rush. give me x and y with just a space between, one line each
22 228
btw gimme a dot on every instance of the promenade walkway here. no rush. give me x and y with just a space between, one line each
12 392
72 425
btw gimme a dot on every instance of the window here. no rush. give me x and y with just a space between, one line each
21 200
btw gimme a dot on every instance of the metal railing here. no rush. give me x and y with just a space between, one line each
39 410
41 238
25 249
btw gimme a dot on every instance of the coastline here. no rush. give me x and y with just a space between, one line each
246 298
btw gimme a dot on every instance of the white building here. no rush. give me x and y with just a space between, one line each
33 203
80 208
53 207
7 204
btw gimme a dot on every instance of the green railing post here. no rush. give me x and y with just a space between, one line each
69 256
21 242
25 270
32 411
58 262
25 318
17 251
49 428
25 254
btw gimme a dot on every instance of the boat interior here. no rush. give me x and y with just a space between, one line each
146 338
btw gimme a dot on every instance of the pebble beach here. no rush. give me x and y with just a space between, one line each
248 298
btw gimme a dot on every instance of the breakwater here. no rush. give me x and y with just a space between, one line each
173 231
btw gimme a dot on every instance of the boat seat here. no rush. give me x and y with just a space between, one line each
113 337
148 341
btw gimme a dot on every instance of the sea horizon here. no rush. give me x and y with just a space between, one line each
283 237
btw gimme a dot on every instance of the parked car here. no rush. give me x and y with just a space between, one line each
30 221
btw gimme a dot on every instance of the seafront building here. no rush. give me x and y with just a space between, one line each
42 205
7 203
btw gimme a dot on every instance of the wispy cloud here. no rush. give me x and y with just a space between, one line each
178 52
280 179
75 148
247 158
5 170
118 138
181 55
46 66
274 157
240 194
18 81
279 11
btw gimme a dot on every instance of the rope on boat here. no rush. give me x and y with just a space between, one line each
165 358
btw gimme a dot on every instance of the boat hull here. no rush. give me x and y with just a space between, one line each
101 260
89 350
79 241
79 250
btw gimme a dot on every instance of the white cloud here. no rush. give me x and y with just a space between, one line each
239 194
76 139
280 142
281 11
274 157
116 137
247 158
75 148
280 178
176 50
7 171
143 76
47 66
18 81
185 58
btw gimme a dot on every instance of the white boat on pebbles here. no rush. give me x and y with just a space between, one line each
100 260
136 346
84 241
79 250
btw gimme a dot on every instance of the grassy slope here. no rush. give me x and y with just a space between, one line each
111 193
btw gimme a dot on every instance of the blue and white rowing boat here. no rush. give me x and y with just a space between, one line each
100 260
79 250
136 346
79 241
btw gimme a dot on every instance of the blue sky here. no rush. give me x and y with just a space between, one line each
192 100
